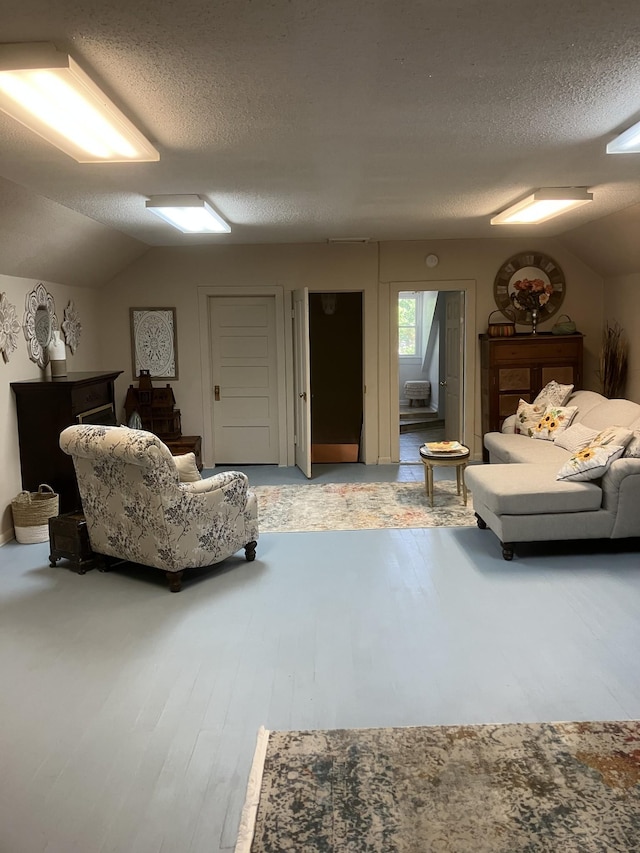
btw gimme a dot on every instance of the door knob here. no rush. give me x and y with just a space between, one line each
443 383
216 392
303 395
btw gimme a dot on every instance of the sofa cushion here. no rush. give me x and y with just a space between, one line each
509 447
620 412
529 490
590 463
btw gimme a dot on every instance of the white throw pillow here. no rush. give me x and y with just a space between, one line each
632 450
527 416
576 437
590 463
187 468
554 394
555 420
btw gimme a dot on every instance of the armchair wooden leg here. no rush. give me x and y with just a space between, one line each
507 550
250 551
482 524
174 580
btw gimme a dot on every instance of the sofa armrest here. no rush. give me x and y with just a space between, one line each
509 424
621 496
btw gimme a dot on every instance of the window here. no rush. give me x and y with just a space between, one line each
408 327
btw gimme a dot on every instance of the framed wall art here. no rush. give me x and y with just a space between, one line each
539 273
154 342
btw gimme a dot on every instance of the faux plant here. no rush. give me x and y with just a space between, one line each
613 361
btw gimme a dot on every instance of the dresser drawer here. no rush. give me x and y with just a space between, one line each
90 396
532 351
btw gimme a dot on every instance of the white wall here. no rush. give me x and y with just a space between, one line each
173 276
20 367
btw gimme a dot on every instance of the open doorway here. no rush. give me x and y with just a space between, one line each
336 370
430 368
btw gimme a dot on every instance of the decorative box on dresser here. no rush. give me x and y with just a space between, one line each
519 366
45 407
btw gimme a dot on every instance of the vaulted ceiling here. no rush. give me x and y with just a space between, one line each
304 120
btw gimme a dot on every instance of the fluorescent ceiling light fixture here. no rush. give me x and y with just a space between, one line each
627 143
188 213
542 205
48 92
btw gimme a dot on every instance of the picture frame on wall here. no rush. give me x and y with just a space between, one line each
154 342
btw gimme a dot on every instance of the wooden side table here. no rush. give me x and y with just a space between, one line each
186 444
457 459
69 539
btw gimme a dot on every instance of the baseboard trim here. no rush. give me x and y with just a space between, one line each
7 536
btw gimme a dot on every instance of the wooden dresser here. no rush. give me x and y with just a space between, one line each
519 366
45 407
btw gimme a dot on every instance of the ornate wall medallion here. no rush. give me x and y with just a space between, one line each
530 266
153 342
9 327
38 323
71 326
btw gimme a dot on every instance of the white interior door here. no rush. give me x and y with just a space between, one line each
244 373
302 381
454 349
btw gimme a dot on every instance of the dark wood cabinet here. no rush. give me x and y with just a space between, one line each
45 407
519 366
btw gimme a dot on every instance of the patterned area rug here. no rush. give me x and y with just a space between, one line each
522 788
359 506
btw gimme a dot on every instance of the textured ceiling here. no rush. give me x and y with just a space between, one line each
302 120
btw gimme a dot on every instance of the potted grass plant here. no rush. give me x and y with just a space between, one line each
613 361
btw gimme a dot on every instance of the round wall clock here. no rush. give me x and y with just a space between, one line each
541 273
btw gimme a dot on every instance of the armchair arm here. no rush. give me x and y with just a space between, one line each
621 495
232 485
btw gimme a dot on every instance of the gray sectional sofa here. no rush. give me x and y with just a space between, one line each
519 498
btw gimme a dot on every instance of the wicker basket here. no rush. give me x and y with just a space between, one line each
31 513
504 328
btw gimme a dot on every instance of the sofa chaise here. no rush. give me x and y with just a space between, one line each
520 498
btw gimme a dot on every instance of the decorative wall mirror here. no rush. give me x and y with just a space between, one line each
39 322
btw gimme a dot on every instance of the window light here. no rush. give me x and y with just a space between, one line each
188 213
543 204
627 142
47 91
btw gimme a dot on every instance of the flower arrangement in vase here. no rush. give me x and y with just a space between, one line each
531 294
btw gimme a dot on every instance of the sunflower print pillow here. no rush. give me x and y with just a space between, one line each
554 421
590 463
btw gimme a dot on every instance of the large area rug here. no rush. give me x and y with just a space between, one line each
359 506
520 788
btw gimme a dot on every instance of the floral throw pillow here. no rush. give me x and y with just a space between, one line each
527 417
632 450
590 463
613 435
555 420
554 394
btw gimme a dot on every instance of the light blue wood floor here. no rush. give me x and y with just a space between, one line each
129 714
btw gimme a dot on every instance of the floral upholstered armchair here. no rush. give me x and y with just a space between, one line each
137 509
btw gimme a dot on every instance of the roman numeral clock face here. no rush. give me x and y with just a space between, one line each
533 267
